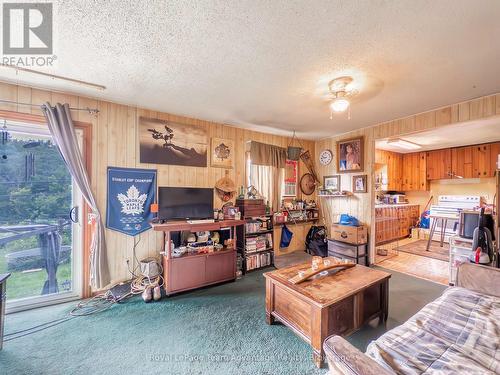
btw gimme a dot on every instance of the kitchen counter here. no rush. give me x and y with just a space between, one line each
383 205
394 221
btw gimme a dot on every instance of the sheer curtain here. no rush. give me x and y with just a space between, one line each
267 180
266 164
63 131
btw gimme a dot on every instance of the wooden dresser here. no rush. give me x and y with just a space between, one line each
191 271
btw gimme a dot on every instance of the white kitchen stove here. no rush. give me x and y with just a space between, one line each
450 206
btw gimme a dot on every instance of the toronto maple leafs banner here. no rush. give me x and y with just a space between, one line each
130 195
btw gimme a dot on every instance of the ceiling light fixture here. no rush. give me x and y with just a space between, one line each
341 92
339 105
401 143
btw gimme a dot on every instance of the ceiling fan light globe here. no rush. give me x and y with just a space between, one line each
339 105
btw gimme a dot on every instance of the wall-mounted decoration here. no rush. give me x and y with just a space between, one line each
166 142
307 184
225 188
222 152
290 186
325 157
350 155
309 163
130 195
359 184
331 183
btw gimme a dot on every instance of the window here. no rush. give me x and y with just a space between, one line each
269 182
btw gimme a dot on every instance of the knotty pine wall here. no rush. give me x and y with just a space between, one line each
361 205
115 142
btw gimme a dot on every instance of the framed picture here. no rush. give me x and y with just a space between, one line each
331 183
350 155
290 185
166 142
359 184
222 151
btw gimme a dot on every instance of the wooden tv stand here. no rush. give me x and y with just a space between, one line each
192 271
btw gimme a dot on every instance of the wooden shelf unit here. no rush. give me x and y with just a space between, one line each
243 235
192 271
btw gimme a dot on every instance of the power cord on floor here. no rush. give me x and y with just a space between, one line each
96 304
37 328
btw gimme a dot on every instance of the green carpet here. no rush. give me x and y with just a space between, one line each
217 330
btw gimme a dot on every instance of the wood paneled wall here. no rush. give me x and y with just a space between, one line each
362 205
115 142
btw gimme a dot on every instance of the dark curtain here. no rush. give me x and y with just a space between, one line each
264 154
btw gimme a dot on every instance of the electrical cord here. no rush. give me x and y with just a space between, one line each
96 304
34 327
41 327
141 283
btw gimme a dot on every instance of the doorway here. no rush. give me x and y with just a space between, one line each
40 226
423 182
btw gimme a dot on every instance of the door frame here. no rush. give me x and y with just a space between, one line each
86 129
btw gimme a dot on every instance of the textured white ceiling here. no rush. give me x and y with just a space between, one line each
265 64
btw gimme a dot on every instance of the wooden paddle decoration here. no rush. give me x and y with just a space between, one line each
310 272
308 162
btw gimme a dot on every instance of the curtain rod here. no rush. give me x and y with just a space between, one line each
92 111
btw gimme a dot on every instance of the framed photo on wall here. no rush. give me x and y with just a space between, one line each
167 142
222 153
359 184
350 155
331 183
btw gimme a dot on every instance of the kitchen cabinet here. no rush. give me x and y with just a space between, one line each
413 171
481 159
414 176
461 162
494 152
392 167
439 164
394 222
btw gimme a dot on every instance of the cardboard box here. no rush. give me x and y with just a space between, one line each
423 234
349 234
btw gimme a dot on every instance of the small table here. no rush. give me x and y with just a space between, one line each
338 303
3 281
444 222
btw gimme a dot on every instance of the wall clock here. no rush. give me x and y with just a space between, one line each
325 157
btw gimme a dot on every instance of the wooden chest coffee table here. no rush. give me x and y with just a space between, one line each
338 303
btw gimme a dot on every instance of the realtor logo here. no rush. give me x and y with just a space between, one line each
27 28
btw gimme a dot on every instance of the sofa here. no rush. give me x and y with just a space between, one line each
458 333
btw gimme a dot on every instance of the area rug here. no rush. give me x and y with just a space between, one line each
435 251
287 260
212 331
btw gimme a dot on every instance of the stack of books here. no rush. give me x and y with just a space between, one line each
257 261
258 243
253 226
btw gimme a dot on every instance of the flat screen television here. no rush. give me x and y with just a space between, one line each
185 203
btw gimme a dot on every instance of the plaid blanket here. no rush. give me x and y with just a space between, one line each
458 333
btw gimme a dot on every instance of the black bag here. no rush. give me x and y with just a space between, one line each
316 242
